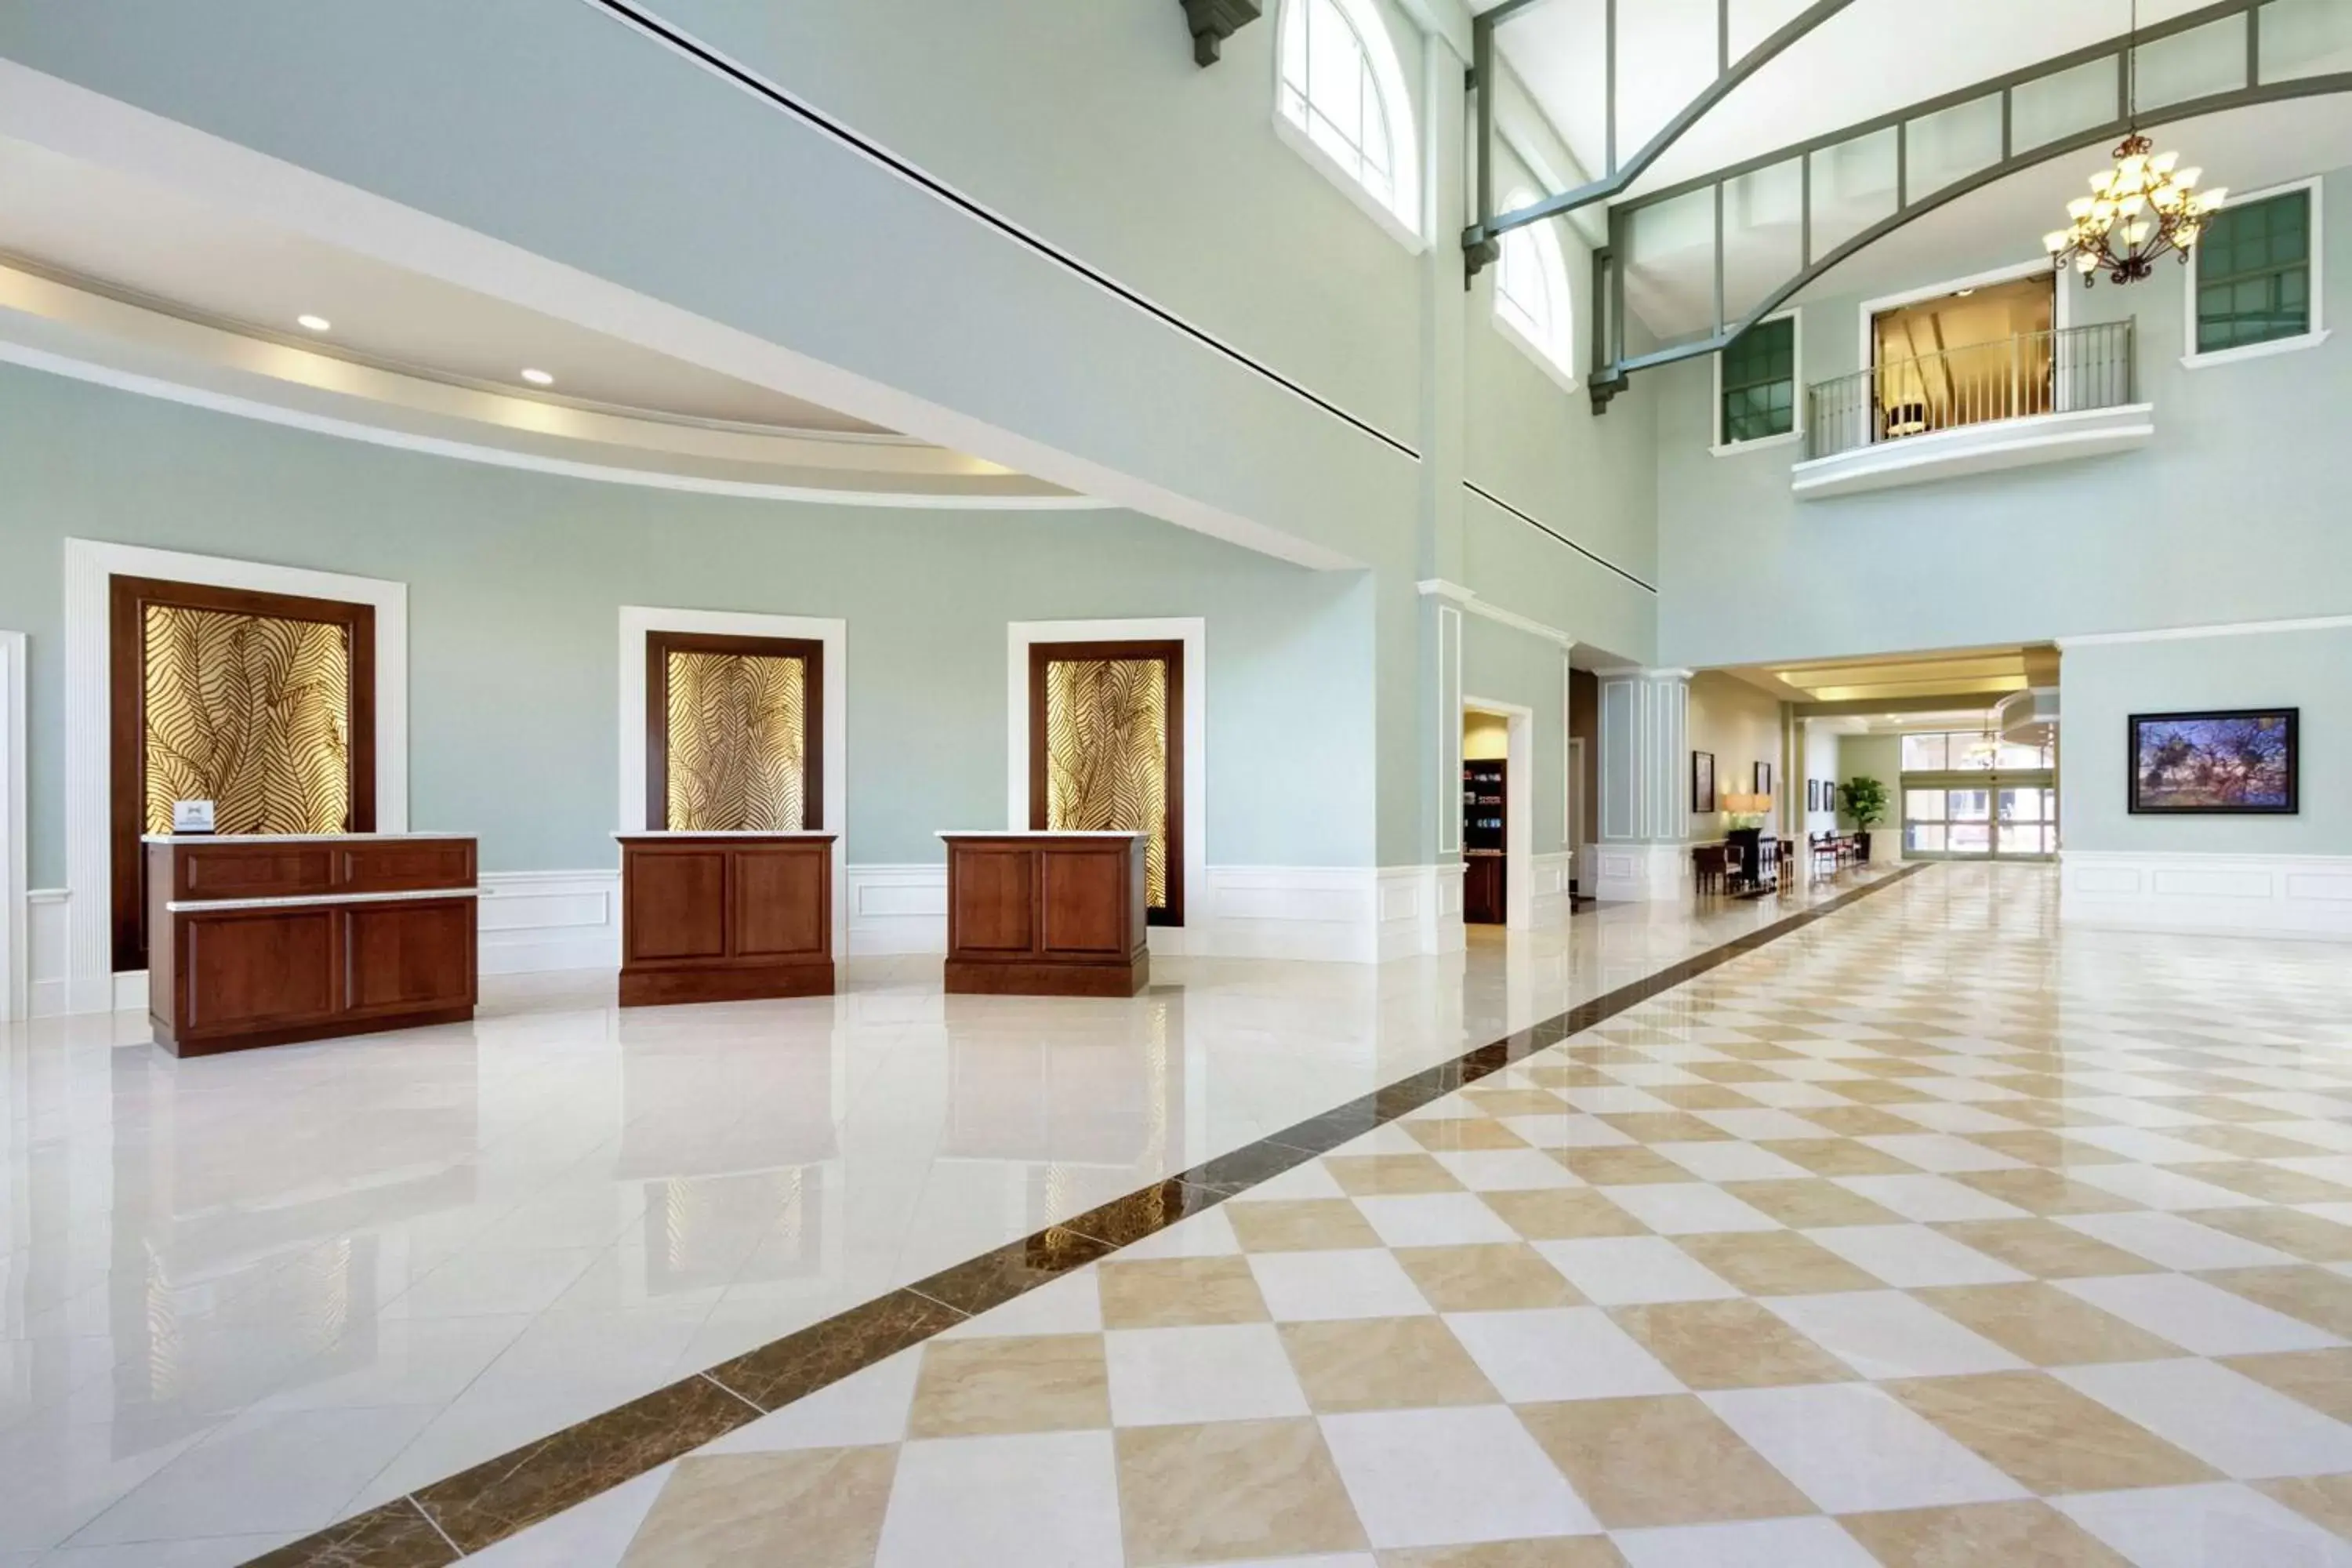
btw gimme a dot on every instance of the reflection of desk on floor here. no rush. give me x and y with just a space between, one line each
1046 914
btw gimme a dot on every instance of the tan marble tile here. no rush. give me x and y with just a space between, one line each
1668 1460
1621 1165
2304 1290
2322 1499
1838 1157
1493 1277
1875 1092
1980 1535
1736 1071
1047 1383
1775 1263
1164 1292
2321 1379
1856 1120
1231 1491
2033 1085
1728 1344
2044 1325
2305 1235
1563 1214
1700 1097
1667 1127
1304 1225
1439 1133
1551 1551
1567 1075
1515 1102
2246 1142
2045 1114
816 1508
2047 1435
2040 1146
2272 1184
1383 1363
2045 1192
2226 1108
1372 1175
2045 1248
1811 1205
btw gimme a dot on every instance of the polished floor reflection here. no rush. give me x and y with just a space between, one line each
1924 1236
243 1297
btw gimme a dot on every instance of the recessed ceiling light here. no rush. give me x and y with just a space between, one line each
538 378
314 324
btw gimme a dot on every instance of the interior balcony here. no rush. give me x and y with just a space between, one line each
2035 397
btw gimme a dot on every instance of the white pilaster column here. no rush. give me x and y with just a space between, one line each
1645 780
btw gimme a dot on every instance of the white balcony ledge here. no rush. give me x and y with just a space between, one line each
1982 448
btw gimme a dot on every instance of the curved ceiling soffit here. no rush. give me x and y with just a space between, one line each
65 326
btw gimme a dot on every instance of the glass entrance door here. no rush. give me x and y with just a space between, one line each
1978 797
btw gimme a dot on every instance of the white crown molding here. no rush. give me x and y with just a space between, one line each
1454 593
2222 629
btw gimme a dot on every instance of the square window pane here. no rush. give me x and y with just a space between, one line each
1969 838
1927 837
1969 804
1923 753
2021 840
1923 804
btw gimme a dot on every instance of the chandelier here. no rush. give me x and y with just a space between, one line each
2143 207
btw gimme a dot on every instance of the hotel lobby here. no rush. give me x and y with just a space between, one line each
1351 784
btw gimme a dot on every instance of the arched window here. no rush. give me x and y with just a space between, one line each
1531 296
1342 85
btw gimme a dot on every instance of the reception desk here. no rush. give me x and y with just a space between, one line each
1046 914
268 939
725 916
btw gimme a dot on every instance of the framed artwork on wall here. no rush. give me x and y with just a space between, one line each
1812 794
2236 761
1703 781
1763 778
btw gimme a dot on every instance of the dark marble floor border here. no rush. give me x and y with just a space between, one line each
438 1524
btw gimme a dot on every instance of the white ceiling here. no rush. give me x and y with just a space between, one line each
100 227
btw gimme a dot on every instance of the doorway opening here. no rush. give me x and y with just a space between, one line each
1497 813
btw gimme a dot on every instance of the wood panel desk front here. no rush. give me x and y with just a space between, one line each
725 916
267 939
1046 914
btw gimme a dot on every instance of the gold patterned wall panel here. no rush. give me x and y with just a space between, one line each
251 712
738 742
1107 754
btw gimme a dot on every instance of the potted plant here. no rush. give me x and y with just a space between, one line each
1864 800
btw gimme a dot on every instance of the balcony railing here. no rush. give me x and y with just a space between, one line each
2068 372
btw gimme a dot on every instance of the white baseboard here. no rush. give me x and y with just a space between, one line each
897 908
1555 888
532 922
2219 895
1641 873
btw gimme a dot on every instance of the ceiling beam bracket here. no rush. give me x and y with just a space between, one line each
1214 21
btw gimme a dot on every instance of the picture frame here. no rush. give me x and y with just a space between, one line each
1812 794
2233 761
1703 781
1763 778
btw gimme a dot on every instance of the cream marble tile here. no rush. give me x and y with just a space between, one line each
1853 1449
2239 1426
2211 1526
1434 1478
1310 1284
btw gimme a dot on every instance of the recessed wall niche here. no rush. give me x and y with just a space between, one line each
734 733
1105 753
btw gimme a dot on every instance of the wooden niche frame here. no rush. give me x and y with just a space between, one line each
660 645
128 599
1170 654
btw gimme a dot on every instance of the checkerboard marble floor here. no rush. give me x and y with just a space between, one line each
1927 1236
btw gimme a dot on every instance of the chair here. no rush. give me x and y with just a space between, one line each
1828 851
1711 864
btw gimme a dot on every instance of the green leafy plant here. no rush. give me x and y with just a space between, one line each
1864 800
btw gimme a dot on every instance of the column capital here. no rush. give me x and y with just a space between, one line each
1639 673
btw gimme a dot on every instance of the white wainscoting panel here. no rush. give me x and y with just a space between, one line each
897 908
536 921
1323 912
2221 895
48 945
1640 872
1555 890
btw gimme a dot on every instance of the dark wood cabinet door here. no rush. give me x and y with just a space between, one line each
405 957
993 889
253 871
258 969
676 904
397 866
782 900
1085 900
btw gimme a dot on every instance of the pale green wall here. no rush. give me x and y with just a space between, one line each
2235 514
515 580
1877 757
2101 685
1741 726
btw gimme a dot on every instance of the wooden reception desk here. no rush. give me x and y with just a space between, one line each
725 916
1046 914
272 938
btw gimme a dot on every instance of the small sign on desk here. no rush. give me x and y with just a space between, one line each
192 817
